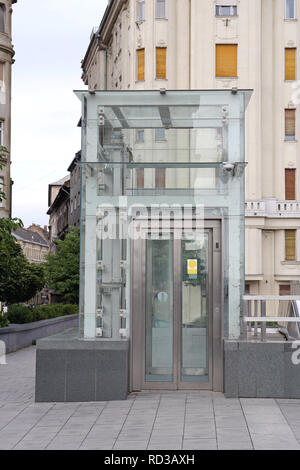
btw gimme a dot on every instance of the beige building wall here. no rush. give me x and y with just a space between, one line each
34 252
6 61
190 32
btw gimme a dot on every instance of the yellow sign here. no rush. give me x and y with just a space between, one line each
192 267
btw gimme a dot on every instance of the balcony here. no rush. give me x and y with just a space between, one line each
271 208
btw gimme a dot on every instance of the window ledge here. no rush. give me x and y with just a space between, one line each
291 263
291 20
294 141
161 79
226 78
163 19
226 16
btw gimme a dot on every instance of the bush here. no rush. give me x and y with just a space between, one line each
20 314
4 321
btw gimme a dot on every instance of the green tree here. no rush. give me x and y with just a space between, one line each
62 268
19 279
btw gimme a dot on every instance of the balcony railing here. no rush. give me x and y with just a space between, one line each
271 317
272 208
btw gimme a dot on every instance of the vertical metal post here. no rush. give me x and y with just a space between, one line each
244 326
255 314
263 323
249 315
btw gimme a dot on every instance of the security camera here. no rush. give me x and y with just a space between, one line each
229 167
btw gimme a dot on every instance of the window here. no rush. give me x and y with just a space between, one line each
290 245
290 63
2 18
141 64
290 186
160 177
140 178
161 62
160 8
140 135
284 289
141 11
290 124
228 10
290 9
226 60
160 134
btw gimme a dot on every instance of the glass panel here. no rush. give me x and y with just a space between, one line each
290 9
204 129
160 8
141 11
195 309
159 311
226 11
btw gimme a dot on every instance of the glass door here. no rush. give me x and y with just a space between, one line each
176 291
159 311
195 311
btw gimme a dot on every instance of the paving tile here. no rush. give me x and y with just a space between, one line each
274 442
134 435
131 445
235 445
96 446
271 429
165 446
167 441
199 444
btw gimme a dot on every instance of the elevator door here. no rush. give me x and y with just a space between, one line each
173 328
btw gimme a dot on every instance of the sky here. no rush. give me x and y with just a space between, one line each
50 38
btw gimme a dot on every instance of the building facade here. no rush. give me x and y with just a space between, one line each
59 210
74 169
223 45
6 61
34 246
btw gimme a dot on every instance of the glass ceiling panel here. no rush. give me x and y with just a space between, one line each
147 117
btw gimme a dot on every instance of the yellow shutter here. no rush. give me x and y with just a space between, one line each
290 245
226 60
161 62
290 64
141 64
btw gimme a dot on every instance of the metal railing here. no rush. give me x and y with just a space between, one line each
285 316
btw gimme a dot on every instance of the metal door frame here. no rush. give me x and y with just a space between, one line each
138 320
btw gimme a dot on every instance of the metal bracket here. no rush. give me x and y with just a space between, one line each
100 265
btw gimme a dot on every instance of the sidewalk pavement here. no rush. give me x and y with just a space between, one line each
154 421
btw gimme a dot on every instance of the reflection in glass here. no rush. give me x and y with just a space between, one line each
159 311
194 366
